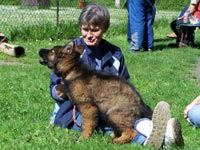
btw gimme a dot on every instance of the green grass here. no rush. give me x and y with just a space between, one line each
164 74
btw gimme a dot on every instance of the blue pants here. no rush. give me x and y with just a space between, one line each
141 14
194 116
139 139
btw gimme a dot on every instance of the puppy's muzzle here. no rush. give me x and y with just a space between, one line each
43 53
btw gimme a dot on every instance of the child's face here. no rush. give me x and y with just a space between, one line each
91 34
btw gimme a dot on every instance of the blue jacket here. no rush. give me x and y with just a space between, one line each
112 60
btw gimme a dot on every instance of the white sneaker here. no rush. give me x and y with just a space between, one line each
173 135
160 117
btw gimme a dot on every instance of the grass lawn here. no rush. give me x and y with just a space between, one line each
164 74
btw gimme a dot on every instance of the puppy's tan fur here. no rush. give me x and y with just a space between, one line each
97 92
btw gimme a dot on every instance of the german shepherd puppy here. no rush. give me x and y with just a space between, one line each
95 92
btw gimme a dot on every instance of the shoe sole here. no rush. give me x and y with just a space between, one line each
160 117
172 37
177 133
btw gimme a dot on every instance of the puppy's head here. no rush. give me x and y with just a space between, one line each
60 58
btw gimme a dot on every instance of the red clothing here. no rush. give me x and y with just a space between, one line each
197 12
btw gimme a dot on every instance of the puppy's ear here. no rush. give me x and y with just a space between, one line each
71 46
68 48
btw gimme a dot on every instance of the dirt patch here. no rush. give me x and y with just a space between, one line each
10 63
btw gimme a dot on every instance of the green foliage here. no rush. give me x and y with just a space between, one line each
11 2
53 32
46 31
163 22
171 4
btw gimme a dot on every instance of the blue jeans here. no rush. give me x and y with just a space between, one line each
141 14
139 139
194 116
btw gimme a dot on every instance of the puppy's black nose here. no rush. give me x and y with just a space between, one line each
42 52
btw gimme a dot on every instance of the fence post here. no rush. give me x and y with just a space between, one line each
117 3
57 12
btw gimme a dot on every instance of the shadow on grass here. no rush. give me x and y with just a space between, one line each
161 43
164 40
168 43
172 44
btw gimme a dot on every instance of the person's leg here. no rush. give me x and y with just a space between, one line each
194 117
177 31
149 39
139 139
144 127
189 40
128 27
53 114
77 126
136 12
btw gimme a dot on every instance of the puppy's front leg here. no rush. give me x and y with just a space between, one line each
89 115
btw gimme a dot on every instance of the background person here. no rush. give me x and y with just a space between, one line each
173 34
141 14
